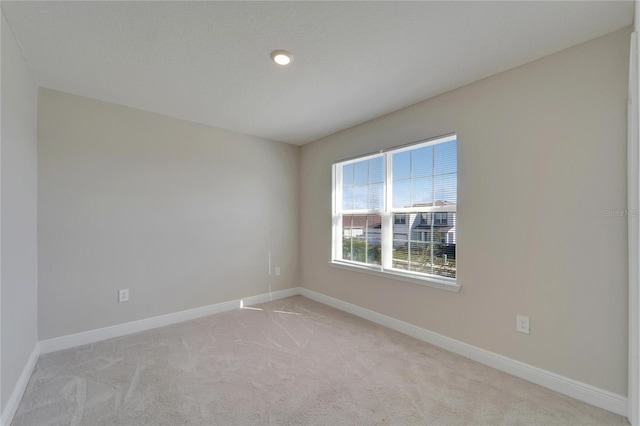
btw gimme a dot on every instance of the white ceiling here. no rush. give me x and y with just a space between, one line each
208 62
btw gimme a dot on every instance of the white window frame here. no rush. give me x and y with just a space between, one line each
386 213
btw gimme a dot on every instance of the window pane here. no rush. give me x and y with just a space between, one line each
361 172
376 170
347 174
401 229
444 260
363 185
427 258
422 192
401 165
448 229
420 257
361 238
421 162
400 255
360 197
402 194
376 196
347 198
426 243
446 187
374 239
445 158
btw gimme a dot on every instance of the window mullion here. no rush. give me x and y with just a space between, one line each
337 214
433 202
366 239
431 259
387 217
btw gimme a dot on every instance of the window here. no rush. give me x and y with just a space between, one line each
441 219
395 212
400 219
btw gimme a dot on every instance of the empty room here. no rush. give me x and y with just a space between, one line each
248 213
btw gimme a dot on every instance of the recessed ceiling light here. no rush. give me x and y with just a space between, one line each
281 57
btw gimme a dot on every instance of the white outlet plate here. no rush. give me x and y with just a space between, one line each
522 324
123 295
277 271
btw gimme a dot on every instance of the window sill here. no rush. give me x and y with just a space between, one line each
442 284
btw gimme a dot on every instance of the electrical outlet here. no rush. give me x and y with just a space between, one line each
277 271
123 295
522 324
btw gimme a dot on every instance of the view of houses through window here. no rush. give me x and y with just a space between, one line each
397 210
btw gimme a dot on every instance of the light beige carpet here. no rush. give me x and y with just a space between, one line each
292 361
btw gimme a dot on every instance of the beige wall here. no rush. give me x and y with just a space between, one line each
184 215
542 155
18 177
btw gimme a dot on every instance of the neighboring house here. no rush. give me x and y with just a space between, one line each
416 226
441 224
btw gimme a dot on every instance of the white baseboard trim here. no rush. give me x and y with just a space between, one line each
581 391
16 396
97 335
